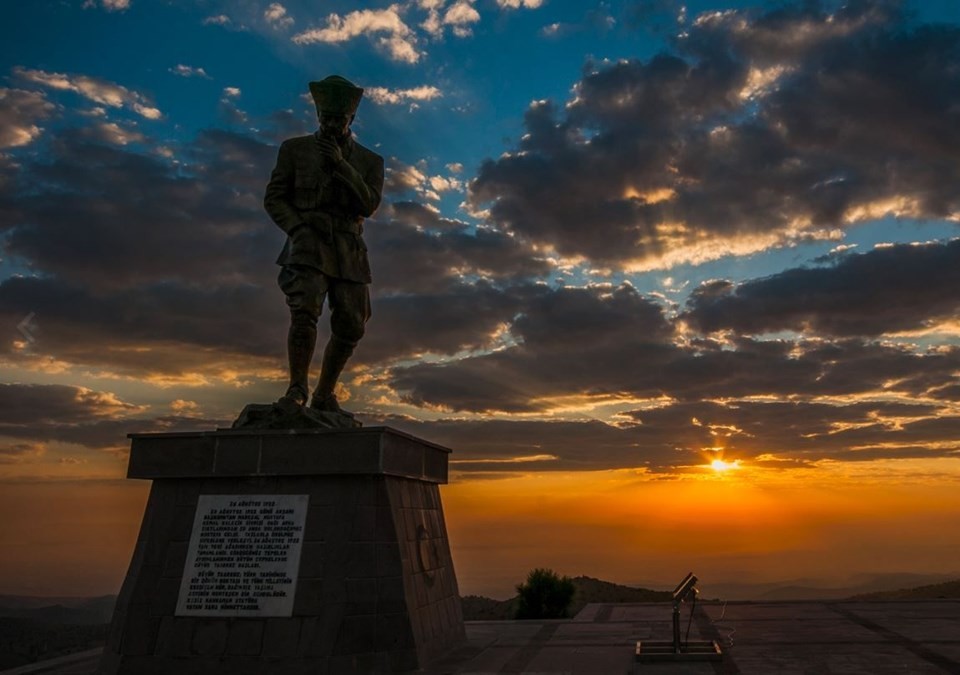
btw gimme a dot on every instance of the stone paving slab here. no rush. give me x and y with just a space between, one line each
783 638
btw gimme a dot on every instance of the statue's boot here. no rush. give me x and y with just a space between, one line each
301 341
335 357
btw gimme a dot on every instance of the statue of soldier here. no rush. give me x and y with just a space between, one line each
322 188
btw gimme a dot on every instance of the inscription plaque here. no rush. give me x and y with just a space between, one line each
244 555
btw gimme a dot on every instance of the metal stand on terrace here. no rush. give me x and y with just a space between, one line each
677 650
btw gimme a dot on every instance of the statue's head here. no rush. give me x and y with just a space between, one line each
337 99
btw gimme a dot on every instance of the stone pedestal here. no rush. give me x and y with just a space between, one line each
374 590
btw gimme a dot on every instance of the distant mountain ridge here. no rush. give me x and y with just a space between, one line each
480 608
947 590
65 611
892 586
817 589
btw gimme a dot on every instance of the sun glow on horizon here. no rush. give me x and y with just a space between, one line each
720 465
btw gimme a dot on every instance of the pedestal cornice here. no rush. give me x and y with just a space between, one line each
293 452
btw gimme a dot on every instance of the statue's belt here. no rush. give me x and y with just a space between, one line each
326 224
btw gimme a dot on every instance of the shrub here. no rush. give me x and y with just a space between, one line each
545 595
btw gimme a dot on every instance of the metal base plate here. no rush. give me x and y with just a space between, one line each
663 650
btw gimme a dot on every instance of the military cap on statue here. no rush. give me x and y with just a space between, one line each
336 95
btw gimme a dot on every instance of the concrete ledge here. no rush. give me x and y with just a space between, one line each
294 452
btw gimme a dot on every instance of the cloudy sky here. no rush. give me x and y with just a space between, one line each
679 282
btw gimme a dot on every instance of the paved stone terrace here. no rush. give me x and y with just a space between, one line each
808 638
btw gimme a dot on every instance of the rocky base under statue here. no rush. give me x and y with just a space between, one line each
287 414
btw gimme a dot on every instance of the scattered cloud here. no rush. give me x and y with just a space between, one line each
677 435
460 16
417 250
95 89
230 113
109 5
94 419
445 183
185 408
517 4
401 38
385 26
552 29
20 110
384 96
177 217
403 178
111 132
888 290
758 130
189 71
217 20
606 341
276 15
39 404
14 453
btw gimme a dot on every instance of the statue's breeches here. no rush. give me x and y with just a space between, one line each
349 302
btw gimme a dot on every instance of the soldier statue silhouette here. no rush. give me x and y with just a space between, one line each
322 188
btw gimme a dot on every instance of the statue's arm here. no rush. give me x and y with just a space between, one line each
278 200
367 187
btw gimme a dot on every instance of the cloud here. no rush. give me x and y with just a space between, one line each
517 4
184 407
413 249
276 15
109 5
43 404
604 343
111 132
140 213
754 131
135 292
564 341
94 419
165 334
888 290
217 20
97 90
676 436
445 183
401 177
552 29
396 38
460 15
452 318
125 284
14 453
229 112
146 259
20 110
404 178
385 96
189 71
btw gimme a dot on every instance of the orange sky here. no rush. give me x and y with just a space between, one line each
75 537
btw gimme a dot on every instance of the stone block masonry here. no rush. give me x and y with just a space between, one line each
375 589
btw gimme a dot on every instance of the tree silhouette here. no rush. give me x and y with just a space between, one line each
545 595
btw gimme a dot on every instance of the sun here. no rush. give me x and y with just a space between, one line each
720 465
